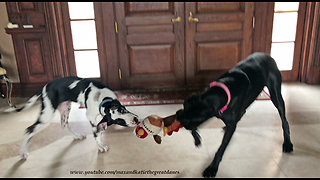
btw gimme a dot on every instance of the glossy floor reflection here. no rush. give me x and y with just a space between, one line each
254 151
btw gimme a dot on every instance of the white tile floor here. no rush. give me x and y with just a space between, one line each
254 151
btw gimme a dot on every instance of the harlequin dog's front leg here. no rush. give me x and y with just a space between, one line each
98 137
97 130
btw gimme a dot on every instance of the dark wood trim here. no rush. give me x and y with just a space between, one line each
57 39
111 60
68 38
293 75
119 13
25 30
264 12
23 89
50 15
310 56
100 43
263 27
248 30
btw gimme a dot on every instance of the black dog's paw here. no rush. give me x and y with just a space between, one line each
287 147
209 172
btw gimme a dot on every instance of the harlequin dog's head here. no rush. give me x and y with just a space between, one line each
115 113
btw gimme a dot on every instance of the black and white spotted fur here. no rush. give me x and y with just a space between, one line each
58 95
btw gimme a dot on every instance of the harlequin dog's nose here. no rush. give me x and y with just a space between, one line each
136 120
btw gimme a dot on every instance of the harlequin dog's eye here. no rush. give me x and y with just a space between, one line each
121 110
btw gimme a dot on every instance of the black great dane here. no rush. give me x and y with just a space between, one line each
230 96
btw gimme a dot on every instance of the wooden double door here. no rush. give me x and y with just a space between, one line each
176 44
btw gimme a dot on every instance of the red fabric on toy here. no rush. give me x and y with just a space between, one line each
175 130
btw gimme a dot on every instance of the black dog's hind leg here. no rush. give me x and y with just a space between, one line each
274 86
212 169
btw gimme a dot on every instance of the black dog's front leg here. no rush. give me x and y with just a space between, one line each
212 169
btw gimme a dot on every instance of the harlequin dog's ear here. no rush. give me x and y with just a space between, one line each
109 102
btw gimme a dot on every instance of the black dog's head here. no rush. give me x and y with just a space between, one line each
196 110
115 113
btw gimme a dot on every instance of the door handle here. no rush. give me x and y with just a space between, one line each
174 20
191 19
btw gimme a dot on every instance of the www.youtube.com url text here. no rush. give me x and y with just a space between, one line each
123 172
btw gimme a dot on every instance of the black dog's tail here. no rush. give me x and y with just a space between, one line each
196 136
29 104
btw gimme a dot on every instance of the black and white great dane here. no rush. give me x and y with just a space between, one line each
230 96
102 108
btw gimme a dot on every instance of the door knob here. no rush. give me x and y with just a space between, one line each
191 19
178 19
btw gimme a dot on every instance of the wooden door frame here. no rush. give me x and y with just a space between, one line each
174 78
310 55
109 36
106 43
264 12
307 71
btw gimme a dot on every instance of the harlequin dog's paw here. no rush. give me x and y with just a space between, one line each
79 137
24 156
103 149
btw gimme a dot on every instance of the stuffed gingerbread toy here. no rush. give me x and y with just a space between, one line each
2 71
153 125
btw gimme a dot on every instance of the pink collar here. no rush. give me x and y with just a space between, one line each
226 89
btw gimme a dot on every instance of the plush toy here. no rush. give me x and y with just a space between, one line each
153 125
2 71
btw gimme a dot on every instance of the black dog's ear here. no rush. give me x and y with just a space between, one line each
197 137
192 102
179 114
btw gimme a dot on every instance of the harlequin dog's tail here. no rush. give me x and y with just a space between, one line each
29 104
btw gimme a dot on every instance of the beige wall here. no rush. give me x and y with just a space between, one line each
6 47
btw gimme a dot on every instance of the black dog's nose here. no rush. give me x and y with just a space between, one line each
136 120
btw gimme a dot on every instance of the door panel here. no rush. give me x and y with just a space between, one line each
148 7
32 57
216 7
228 51
151 47
162 55
218 41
